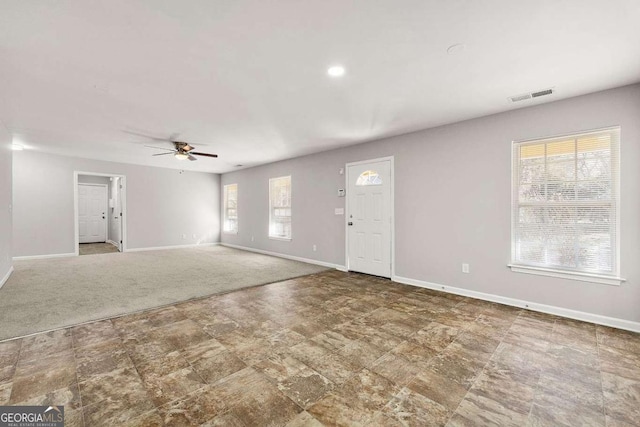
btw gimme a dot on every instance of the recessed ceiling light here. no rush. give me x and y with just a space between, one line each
17 147
455 48
336 71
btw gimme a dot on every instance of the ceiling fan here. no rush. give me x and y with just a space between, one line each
182 151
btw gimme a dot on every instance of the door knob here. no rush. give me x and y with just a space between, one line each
350 223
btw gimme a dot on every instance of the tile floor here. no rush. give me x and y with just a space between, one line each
330 349
96 248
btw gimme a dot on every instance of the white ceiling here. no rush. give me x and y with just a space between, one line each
248 78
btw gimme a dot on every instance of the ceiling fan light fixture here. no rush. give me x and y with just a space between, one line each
181 156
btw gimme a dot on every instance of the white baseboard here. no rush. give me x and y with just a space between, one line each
291 257
6 277
22 258
543 308
160 248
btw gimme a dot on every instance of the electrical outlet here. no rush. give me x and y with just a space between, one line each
253 238
465 268
315 248
184 236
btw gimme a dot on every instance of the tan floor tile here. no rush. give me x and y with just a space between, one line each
395 368
556 412
114 398
304 419
330 365
94 333
438 389
181 334
96 359
436 336
5 393
622 398
38 377
408 408
49 343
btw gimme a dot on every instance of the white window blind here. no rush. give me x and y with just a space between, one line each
230 221
566 202
280 207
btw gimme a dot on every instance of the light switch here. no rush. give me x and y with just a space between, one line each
339 211
341 192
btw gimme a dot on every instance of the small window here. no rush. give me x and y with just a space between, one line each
566 204
369 178
280 208
230 221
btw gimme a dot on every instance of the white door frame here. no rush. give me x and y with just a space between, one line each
392 206
106 204
123 201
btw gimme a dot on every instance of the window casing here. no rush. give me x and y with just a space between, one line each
230 209
280 208
565 206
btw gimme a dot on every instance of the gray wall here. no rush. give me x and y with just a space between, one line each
452 202
5 201
162 204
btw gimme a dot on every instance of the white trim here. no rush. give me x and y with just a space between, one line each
111 242
543 308
46 256
123 207
284 239
161 248
391 160
6 277
291 257
571 275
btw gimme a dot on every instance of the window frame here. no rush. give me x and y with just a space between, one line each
271 208
552 271
225 208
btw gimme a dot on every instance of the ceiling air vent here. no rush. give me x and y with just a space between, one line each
531 95
542 93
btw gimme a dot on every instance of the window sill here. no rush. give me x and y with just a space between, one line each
229 232
284 239
582 277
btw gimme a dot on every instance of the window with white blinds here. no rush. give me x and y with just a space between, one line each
566 202
230 220
280 208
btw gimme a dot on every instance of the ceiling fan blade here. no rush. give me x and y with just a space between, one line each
203 154
191 158
163 154
159 148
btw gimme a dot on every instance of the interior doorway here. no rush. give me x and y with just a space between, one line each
370 230
100 213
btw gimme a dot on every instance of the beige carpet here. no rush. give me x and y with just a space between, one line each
52 293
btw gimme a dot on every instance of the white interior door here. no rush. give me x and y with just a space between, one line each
92 210
369 217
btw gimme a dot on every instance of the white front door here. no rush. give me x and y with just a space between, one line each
369 217
92 213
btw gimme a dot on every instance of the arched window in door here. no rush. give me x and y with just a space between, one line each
369 177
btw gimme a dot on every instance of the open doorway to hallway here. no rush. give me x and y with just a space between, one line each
100 213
